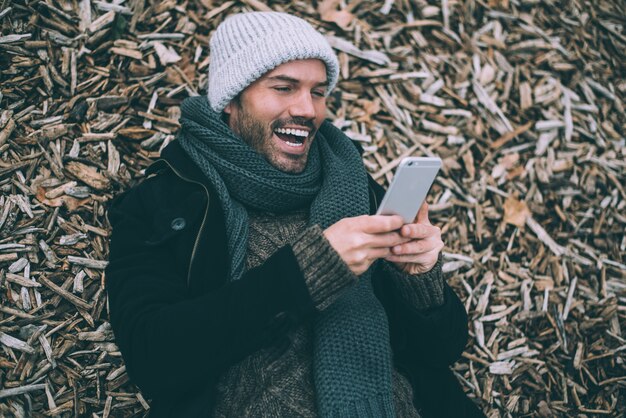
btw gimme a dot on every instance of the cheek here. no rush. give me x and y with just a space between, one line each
269 108
320 111
264 110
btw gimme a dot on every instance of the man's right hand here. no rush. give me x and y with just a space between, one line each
361 240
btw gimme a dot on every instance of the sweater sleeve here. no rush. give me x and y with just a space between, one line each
325 273
423 291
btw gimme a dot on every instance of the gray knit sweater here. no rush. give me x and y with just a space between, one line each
278 381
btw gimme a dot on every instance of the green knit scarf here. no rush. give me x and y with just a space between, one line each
352 356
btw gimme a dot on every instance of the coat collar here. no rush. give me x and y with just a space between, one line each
174 156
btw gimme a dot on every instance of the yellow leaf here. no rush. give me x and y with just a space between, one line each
515 212
71 203
329 13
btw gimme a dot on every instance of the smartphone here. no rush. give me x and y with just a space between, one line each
409 187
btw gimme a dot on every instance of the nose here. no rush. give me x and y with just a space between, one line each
303 106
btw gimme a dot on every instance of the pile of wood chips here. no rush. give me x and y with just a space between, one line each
522 99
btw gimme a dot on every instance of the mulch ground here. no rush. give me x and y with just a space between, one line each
522 99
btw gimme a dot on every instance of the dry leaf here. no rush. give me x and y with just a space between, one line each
71 203
329 13
369 109
173 76
515 212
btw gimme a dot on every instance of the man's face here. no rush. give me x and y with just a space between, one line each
279 114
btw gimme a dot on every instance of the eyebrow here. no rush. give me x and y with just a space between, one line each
294 80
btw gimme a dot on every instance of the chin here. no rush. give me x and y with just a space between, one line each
291 167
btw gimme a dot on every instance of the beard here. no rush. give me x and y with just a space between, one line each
259 136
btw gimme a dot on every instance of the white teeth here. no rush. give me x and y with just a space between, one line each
294 132
291 144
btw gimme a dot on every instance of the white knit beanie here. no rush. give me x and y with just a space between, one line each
247 45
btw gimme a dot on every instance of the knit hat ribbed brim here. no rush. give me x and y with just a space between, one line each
247 45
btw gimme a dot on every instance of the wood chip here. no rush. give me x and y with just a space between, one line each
15 343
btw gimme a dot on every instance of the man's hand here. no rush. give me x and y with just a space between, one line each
421 252
361 240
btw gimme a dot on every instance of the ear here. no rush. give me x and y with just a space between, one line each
235 102
228 108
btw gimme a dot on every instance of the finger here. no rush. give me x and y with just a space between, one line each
386 240
376 253
420 231
360 268
416 247
412 259
376 224
426 259
422 214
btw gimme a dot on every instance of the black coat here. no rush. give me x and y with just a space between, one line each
180 323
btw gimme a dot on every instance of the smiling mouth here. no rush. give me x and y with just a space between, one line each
291 136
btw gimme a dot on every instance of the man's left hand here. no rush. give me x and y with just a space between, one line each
421 253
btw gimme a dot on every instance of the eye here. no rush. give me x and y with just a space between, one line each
283 89
319 93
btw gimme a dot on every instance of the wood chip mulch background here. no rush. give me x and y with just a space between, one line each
522 99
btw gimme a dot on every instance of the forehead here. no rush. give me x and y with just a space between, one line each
305 71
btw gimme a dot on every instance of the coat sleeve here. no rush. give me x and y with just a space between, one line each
173 341
435 337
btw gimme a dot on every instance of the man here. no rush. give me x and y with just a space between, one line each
247 277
